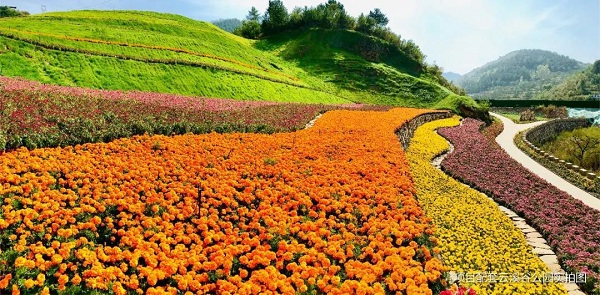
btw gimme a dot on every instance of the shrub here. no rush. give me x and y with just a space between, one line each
527 115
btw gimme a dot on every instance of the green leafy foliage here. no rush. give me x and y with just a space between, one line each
583 85
592 186
250 29
580 146
7 11
276 18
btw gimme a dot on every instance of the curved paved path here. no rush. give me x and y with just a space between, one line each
505 140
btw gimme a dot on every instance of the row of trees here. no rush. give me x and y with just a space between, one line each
330 15
7 11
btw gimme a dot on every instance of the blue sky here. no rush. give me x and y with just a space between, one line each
458 35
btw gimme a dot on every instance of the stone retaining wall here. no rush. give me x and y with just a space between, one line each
406 131
547 131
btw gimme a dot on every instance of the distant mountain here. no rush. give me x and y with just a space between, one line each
228 25
452 77
521 74
583 85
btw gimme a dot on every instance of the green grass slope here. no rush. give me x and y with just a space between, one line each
148 51
363 67
133 50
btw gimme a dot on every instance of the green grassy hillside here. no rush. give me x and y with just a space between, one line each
359 64
133 50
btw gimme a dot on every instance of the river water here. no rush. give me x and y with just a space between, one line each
586 113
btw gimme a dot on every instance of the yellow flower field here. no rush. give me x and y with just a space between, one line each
475 236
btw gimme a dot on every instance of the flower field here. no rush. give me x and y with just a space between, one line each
474 235
328 209
36 115
160 99
570 227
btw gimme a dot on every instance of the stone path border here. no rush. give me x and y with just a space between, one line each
313 121
534 238
505 140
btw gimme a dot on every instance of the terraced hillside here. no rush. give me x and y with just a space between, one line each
132 50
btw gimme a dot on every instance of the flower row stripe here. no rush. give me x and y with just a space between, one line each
570 227
474 235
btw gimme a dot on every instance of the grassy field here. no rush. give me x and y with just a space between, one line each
517 118
514 114
132 50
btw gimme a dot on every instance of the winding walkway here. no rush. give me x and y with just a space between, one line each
505 140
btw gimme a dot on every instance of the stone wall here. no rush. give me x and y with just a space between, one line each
541 134
406 131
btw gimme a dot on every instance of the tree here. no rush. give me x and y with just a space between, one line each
250 29
297 18
365 24
410 48
337 16
7 11
276 18
332 12
596 67
346 21
379 17
253 15
583 145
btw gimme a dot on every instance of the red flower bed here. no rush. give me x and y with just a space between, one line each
35 115
571 228
160 99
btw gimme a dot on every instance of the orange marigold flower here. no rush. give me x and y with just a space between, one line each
63 279
57 259
5 280
152 279
29 283
76 280
15 290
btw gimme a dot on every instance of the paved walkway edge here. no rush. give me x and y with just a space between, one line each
532 236
506 141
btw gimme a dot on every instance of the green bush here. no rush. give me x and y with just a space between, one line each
589 185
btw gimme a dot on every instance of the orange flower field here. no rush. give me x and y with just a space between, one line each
328 209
